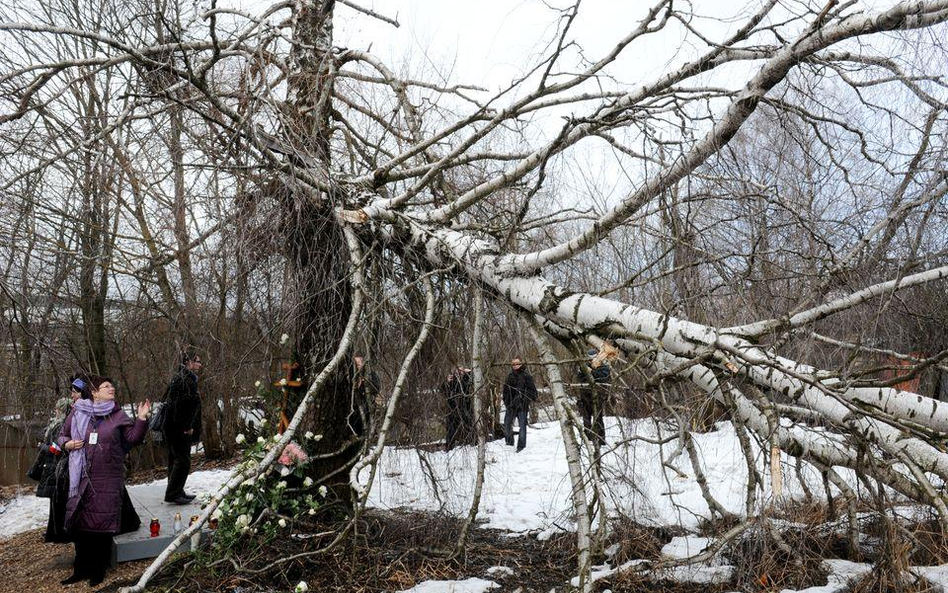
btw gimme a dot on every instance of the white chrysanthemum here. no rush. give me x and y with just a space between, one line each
257 384
285 471
309 434
282 522
284 338
308 482
281 484
311 511
243 521
261 440
323 491
249 496
301 587
318 437
241 439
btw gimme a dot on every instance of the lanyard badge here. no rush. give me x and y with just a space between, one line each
93 438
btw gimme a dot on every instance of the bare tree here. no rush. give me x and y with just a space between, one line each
757 207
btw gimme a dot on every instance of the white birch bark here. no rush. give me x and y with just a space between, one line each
477 362
677 336
568 429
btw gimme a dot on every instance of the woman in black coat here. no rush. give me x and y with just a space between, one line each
55 481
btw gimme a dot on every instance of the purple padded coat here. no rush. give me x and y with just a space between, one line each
98 505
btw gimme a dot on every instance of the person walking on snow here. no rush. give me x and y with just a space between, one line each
519 392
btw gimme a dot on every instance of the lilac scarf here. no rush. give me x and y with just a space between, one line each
82 412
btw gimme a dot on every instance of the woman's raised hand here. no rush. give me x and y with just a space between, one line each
143 409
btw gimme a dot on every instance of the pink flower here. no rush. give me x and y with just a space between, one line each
293 454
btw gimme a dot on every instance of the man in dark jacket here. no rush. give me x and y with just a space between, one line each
182 426
595 377
459 422
519 392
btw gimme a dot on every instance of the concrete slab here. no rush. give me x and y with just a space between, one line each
149 502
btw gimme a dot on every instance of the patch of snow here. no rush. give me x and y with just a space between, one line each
23 513
602 572
685 547
695 573
549 532
504 571
471 585
841 572
938 575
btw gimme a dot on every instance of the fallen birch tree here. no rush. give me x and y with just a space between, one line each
481 190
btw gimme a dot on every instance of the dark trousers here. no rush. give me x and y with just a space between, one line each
56 524
179 464
590 406
521 416
93 554
452 428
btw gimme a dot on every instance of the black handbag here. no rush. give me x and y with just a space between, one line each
39 464
157 423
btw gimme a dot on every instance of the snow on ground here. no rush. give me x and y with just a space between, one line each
529 491
685 546
472 585
26 511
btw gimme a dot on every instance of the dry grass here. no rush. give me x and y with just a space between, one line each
391 552
27 563
762 564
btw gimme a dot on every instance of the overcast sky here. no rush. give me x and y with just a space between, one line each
490 42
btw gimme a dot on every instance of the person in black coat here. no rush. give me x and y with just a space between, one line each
182 426
54 482
459 421
595 377
518 393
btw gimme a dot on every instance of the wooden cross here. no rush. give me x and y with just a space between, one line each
287 382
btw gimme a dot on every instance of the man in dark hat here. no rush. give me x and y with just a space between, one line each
182 426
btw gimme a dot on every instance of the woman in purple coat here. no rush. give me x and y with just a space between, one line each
97 434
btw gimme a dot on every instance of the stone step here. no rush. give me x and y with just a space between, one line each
150 503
